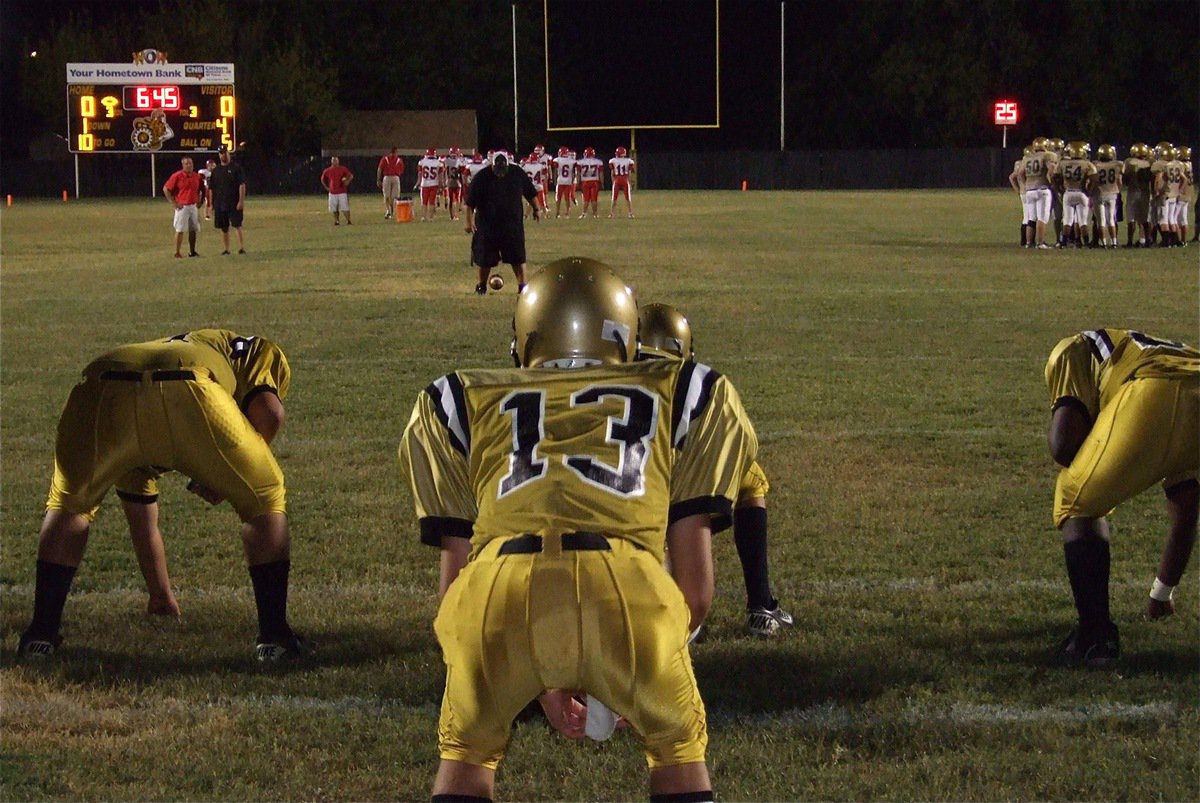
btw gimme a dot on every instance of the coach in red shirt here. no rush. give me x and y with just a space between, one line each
184 189
387 178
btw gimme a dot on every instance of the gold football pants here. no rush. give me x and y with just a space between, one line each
111 429
754 484
1149 432
612 623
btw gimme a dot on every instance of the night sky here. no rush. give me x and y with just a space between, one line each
859 73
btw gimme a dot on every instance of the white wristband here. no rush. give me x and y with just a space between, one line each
1161 592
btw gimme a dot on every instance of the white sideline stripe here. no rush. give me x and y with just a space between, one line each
842 585
837 717
824 716
817 434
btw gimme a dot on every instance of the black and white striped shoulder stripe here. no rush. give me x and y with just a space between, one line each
692 393
451 407
1102 345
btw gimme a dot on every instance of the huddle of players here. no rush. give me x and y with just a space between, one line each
444 179
1059 181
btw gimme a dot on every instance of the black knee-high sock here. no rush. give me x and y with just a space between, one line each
49 598
1088 561
750 537
270 596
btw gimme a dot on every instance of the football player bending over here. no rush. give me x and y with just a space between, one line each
1125 414
666 334
205 403
564 480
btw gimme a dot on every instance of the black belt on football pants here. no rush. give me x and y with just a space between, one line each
155 376
571 542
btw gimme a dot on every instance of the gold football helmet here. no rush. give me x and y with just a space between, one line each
1138 150
1160 149
1039 144
1168 154
1056 145
1106 153
1184 153
664 332
574 312
1077 150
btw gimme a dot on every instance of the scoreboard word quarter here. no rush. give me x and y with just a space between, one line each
150 108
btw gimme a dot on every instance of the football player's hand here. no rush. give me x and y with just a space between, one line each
1159 610
566 714
205 493
469 228
163 606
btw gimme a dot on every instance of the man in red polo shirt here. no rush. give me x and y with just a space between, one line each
336 180
183 189
387 178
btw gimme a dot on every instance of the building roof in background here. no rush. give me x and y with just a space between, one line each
412 132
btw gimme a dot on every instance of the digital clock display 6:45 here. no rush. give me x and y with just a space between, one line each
145 98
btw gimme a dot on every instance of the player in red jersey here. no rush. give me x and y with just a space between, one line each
621 167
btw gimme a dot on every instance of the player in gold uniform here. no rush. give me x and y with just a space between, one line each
565 474
1034 174
1188 201
205 403
666 334
1108 190
1125 414
1016 180
1138 183
1077 177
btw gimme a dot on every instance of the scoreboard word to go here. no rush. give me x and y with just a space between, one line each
144 108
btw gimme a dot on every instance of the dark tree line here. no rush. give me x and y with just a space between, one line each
858 73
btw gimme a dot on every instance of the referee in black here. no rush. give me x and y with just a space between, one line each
494 219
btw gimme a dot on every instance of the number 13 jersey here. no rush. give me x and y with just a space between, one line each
622 450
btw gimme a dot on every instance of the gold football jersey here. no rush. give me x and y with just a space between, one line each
1075 173
1038 166
1107 174
241 365
621 450
1091 366
1174 179
1137 175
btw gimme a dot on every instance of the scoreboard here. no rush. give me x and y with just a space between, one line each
153 108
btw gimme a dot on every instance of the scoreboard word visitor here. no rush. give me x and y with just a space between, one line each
150 108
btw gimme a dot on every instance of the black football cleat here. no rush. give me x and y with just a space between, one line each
292 648
37 648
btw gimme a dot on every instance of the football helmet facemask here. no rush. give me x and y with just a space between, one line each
664 332
574 312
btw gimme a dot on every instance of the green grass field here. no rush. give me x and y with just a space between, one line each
889 347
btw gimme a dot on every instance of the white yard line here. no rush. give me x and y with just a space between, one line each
842 585
823 716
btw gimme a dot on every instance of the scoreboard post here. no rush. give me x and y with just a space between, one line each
151 107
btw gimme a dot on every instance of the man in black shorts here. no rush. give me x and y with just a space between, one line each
227 186
494 218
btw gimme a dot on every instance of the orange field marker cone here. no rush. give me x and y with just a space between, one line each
64 196
745 185
9 200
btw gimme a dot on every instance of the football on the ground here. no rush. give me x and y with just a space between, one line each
496 282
